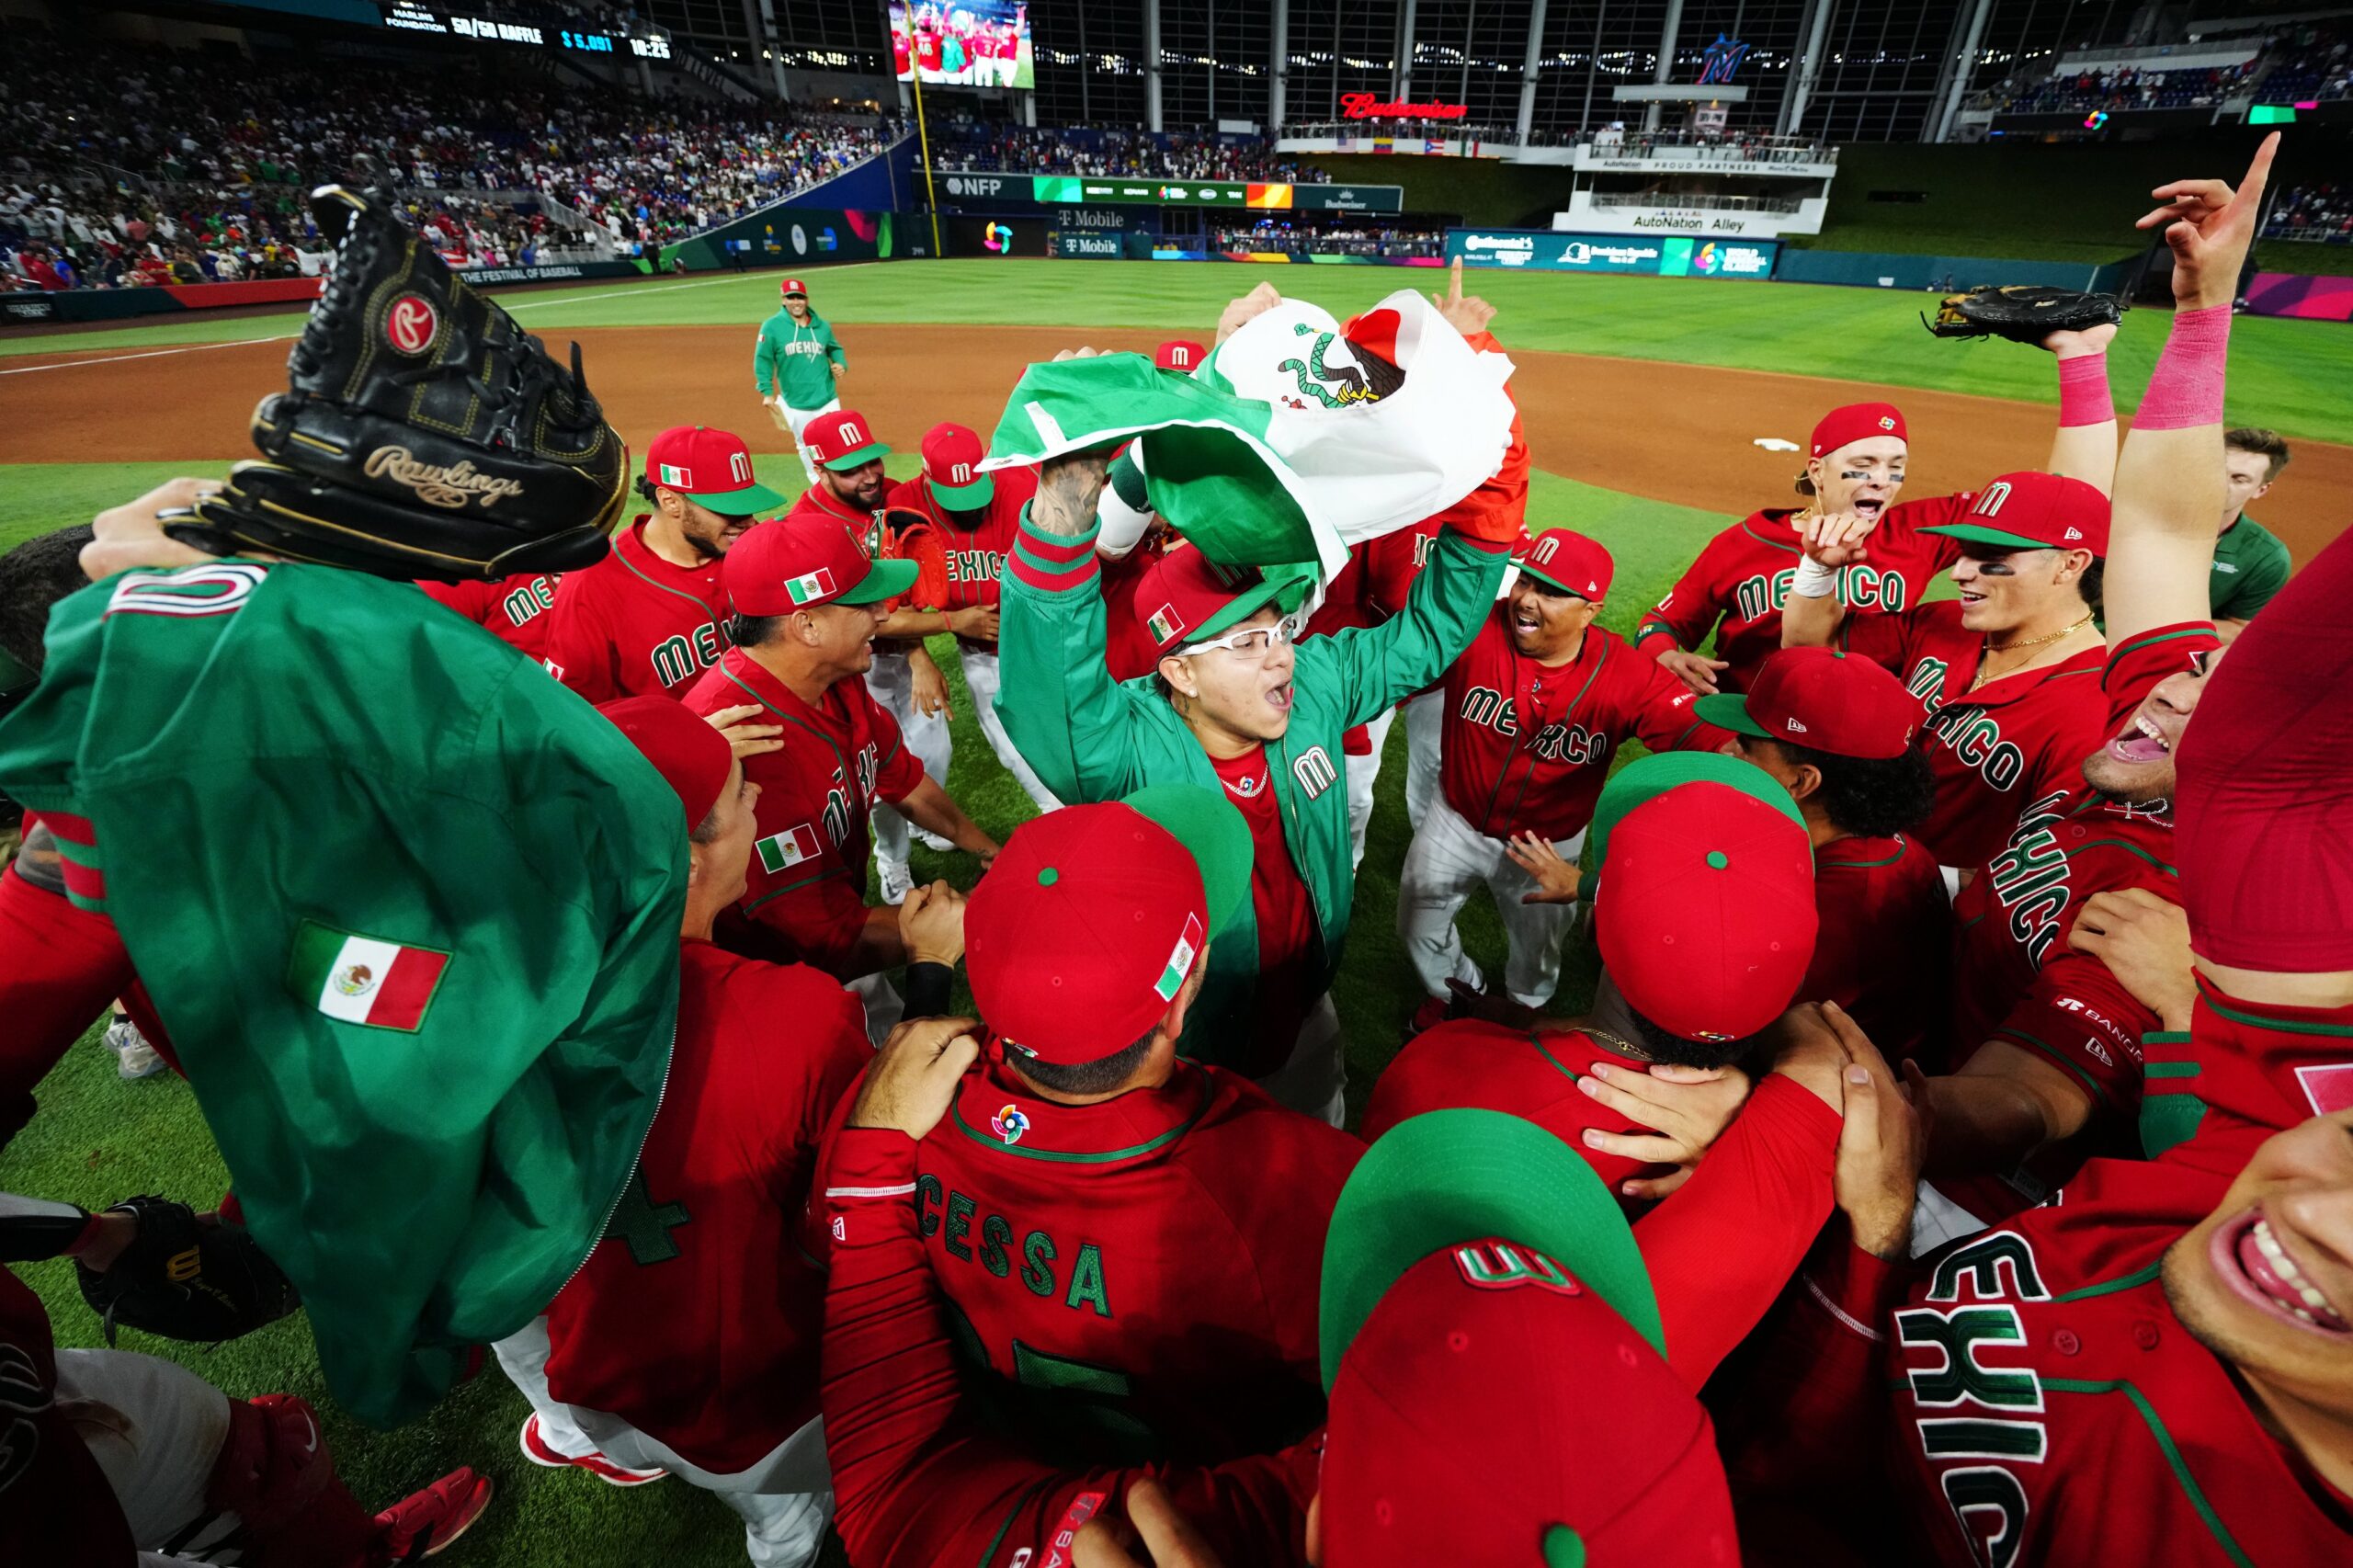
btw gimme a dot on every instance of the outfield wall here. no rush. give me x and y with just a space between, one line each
175 299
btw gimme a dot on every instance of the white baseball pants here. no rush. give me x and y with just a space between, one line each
892 682
156 1429
1447 860
784 1500
1362 772
1425 722
797 420
1314 1081
984 680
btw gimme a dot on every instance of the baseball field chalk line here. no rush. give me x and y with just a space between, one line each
517 305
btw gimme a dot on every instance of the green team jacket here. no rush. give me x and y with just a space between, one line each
248 765
1090 738
797 360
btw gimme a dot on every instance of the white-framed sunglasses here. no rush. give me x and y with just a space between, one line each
1257 642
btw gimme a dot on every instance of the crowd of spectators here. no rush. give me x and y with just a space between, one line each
2321 211
2127 87
981 146
113 160
1276 236
2315 60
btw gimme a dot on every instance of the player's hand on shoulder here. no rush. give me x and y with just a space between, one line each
132 534
912 1079
1694 671
748 739
1882 1140
931 924
1686 1107
2144 941
1156 1536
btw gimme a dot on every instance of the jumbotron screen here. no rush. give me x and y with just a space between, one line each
963 43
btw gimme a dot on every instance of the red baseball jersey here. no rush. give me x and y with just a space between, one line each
808 882
635 625
2047 1406
1741 578
1466 1063
817 501
1885 944
56 1504
1391 565
697 1319
515 609
965 563
1525 746
1987 748
1129 1291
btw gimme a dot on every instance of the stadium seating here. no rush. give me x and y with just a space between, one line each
971 145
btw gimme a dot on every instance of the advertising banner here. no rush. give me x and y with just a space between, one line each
1546 250
2287 294
786 236
1348 198
1091 244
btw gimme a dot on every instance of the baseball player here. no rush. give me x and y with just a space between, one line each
2250 563
651 616
1840 735
798 364
807 602
1534 711
116 1458
515 609
2008 673
851 490
1855 466
973 519
1220 712
725 1394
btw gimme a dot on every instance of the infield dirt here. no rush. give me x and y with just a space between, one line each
1676 433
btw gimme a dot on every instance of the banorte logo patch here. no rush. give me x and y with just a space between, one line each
411 325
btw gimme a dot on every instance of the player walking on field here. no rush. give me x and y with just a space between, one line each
1534 711
1854 467
797 362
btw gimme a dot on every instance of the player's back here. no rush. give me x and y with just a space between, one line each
1140 1275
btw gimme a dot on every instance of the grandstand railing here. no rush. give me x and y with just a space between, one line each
1707 203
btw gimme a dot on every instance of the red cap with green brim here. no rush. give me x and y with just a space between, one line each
710 467
796 563
2034 511
1820 698
843 440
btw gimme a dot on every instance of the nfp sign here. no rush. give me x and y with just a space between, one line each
1364 105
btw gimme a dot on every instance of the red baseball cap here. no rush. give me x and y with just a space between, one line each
1706 914
1858 422
792 563
951 464
1820 698
793 287
710 467
1184 597
1492 1348
843 440
2034 511
1568 561
1178 354
1091 916
693 757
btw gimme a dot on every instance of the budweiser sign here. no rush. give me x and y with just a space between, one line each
1364 105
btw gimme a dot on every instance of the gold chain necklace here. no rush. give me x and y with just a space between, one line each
1984 675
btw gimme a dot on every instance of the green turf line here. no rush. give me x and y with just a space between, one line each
2294 376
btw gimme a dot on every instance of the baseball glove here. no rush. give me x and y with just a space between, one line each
2025 312
425 434
187 1278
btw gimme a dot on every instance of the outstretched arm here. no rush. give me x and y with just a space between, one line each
2085 447
2169 481
1813 614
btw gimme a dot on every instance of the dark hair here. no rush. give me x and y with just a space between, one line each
707 830
646 487
1866 796
2263 443
2093 586
1803 485
1665 1046
1099 1076
751 630
33 577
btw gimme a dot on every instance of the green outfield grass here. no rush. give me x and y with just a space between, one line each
97 1140
2294 376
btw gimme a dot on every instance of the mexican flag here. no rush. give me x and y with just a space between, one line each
1286 445
1180 961
364 980
810 585
782 851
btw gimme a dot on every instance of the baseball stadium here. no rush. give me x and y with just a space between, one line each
1667 258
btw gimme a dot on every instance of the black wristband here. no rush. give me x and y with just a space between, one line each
928 987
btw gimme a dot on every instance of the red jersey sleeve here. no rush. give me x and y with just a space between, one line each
580 652
898 771
1687 612
916 1480
2081 1017
1666 715
1885 639
1939 551
2137 668
1497 510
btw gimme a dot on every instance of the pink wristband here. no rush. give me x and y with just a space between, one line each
2082 391
2187 389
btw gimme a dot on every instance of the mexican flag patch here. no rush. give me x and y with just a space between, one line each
781 851
1180 960
674 476
811 585
364 980
1164 623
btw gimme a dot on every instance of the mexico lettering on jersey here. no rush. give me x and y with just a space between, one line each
1525 746
1740 582
963 565
513 609
634 623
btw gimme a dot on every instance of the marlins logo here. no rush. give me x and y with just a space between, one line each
1009 1124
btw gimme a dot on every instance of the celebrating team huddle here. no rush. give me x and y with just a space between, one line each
1954 1162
